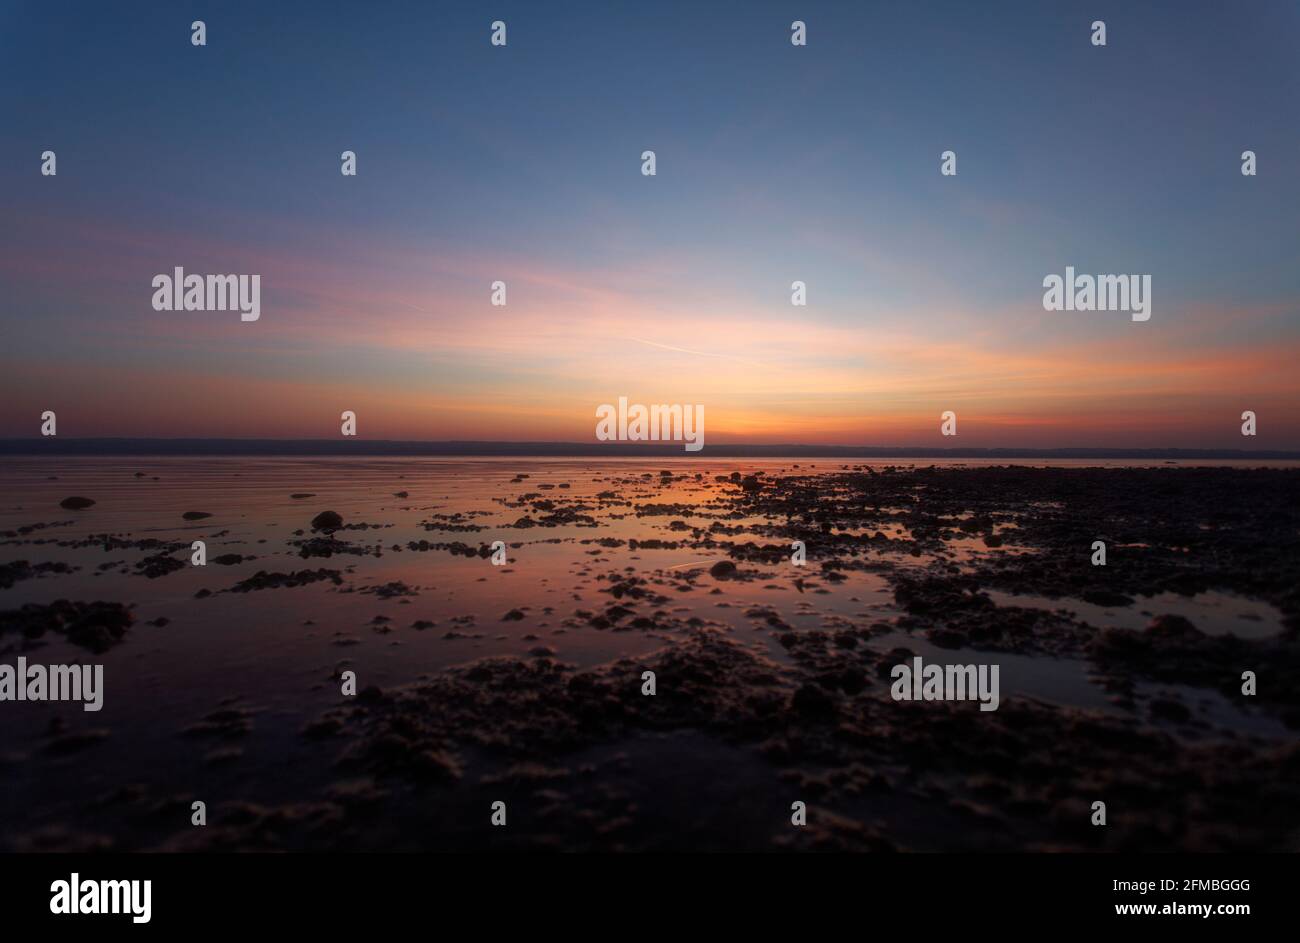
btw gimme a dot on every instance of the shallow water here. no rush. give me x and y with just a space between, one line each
270 656
273 642
1213 613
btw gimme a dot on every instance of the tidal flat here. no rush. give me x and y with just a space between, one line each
522 682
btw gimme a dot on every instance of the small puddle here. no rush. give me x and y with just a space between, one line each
1213 613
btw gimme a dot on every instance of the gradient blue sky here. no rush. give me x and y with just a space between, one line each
775 163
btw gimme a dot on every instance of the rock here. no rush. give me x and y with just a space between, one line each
264 580
96 626
1169 626
326 547
811 701
299 495
1106 597
195 515
722 570
327 520
392 590
11 573
75 503
159 564
853 680
514 615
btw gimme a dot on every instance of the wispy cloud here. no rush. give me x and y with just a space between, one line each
697 353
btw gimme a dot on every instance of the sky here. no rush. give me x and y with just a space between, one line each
774 163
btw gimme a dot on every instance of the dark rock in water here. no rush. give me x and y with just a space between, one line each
298 495
401 494
264 580
97 626
811 701
391 590
75 503
992 540
11 573
195 515
1106 597
159 564
723 569
326 547
1172 627
514 615
750 483
885 663
229 559
327 520
322 728
853 680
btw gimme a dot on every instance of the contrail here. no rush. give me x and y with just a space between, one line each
698 353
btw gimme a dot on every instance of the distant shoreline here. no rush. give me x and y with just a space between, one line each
289 448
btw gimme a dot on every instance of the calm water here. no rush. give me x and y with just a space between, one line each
272 653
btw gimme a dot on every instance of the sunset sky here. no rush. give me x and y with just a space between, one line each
775 163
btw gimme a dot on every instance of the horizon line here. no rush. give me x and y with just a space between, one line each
137 446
